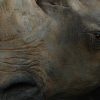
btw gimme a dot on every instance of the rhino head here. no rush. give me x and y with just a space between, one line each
49 48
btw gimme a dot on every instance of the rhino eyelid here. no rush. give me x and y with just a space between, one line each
52 4
57 5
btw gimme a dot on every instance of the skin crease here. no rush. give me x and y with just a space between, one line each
45 52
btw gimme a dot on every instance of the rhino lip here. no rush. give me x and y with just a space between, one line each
20 88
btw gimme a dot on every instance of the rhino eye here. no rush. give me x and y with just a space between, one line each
51 7
53 2
94 40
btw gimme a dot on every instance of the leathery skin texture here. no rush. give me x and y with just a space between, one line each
49 49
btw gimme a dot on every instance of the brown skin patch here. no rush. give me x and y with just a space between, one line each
45 50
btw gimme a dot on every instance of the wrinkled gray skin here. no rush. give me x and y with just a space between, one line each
48 49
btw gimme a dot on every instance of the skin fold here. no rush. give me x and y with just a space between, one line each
49 49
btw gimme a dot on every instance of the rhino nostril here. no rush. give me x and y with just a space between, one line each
21 88
21 91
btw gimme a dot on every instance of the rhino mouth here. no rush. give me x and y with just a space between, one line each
22 90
